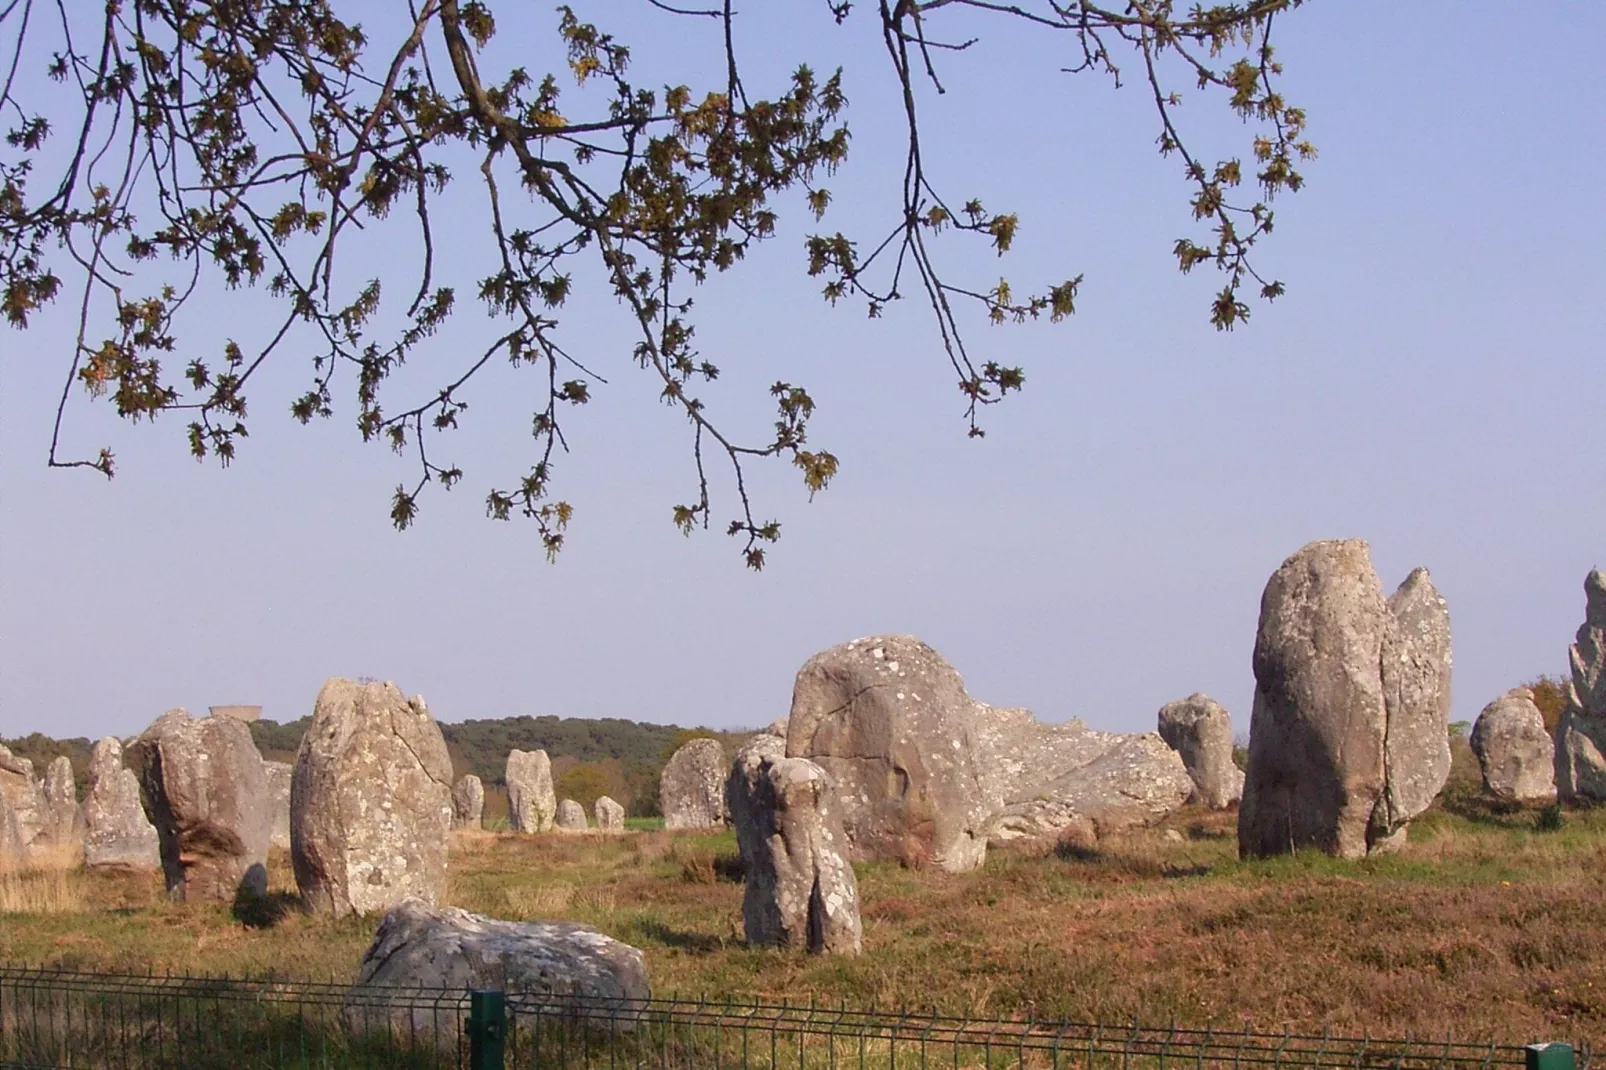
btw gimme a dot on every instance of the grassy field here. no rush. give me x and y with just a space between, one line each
1488 926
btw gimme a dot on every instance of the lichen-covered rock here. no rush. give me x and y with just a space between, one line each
1200 730
539 964
63 830
11 847
1348 739
280 775
610 815
1581 734
800 890
531 802
468 802
1515 752
571 817
370 801
925 774
24 796
204 788
117 834
691 790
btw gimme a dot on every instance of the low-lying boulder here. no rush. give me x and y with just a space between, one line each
800 890
691 790
468 802
610 815
571 816
556 966
1134 783
531 802
117 834
1514 751
371 802
1200 729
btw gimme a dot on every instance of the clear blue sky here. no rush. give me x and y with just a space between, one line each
1431 382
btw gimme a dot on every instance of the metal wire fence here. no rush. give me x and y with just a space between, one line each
81 1021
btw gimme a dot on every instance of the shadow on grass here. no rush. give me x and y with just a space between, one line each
264 911
700 943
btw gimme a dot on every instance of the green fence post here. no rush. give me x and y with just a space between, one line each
487 1029
1550 1057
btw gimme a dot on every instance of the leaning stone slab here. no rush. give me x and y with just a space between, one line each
370 804
557 967
117 834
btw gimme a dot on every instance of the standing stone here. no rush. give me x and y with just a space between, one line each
571 817
117 834
371 801
610 815
63 829
205 790
1200 729
1516 754
280 774
691 791
1581 735
799 889
24 795
468 802
1349 735
11 848
1416 701
531 802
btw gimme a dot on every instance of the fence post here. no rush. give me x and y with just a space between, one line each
1550 1057
487 1029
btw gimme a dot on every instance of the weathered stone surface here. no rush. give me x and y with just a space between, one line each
239 713
280 774
1348 739
1416 662
24 796
691 791
11 848
926 774
371 801
117 834
468 802
1200 730
1581 735
205 790
799 889
1135 782
420 946
531 802
610 815
63 830
1516 754
571 816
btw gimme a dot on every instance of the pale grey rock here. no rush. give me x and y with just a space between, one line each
531 802
1133 783
1516 754
1581 734
12 851
610 815
204 787
24 795
1200 730
117 834
1316 741
571 817
63 830
799 888
1416 663
925 774
280 774
691 790
539 964
468 802
370 802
